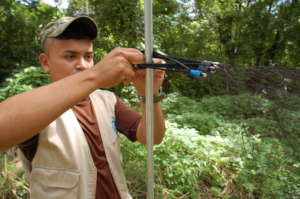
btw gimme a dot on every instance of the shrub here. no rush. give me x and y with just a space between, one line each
13 184
23 79
249 156
228 164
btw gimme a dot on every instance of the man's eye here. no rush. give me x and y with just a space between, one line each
70 56
89 56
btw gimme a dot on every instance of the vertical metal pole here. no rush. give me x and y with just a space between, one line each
149 97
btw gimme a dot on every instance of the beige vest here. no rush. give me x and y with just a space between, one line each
63 167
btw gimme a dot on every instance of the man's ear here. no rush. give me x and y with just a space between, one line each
44 62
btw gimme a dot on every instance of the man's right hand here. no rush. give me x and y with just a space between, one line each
116 66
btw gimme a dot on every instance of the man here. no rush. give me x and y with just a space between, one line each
67 129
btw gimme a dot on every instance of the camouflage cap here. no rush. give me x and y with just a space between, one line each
56 28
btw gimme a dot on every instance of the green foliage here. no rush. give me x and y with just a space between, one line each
271 173
258 115
210 112
242 156
189 165
24 79
20 24
13 183
253 33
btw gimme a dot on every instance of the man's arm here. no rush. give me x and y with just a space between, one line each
24 115
159 123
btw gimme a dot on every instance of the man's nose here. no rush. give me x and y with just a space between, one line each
82 64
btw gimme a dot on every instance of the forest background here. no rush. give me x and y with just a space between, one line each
234 134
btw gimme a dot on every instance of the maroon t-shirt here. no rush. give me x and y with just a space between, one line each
127 121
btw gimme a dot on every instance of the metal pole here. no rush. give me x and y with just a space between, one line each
149 97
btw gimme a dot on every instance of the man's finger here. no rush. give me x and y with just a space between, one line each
128 74
140 72
159 73
158 61
133 56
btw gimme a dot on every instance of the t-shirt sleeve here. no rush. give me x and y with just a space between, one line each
127 120
29 147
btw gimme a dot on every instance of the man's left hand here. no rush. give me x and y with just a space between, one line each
140 79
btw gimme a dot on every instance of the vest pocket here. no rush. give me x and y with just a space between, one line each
54 183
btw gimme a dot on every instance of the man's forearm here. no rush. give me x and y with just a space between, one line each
24 115
159 125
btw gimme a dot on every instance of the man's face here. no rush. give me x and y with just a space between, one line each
66 57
